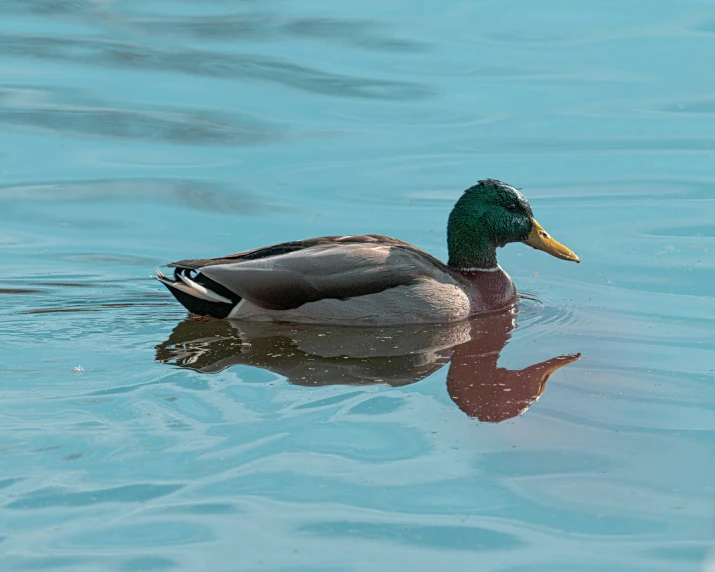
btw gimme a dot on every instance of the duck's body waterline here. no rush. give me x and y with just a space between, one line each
371 280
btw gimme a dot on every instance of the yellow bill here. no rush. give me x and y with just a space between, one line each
541 240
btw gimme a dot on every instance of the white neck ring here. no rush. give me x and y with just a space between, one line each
497 268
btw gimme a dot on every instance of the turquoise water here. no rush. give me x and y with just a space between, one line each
134 134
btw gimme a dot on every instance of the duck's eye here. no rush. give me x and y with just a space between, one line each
511 207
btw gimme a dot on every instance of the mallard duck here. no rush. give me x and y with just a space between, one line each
372 279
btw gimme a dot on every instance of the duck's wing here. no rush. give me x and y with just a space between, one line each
298 245
288 275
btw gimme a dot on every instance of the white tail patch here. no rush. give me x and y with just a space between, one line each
188 286
203 290
183 288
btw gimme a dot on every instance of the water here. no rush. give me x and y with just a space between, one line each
134 134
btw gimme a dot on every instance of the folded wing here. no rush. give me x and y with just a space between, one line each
333 269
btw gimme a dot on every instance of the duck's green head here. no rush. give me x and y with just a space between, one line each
492 214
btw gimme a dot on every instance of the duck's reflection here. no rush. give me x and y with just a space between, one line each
325 355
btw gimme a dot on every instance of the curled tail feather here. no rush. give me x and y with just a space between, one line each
199 294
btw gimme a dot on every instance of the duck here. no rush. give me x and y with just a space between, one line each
372 280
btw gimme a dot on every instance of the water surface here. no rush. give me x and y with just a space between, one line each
134 134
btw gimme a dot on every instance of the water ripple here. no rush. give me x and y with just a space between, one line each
44 498
205 63
447 537
370 35
21 108
208 196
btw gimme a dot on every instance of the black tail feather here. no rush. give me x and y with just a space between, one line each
204 307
